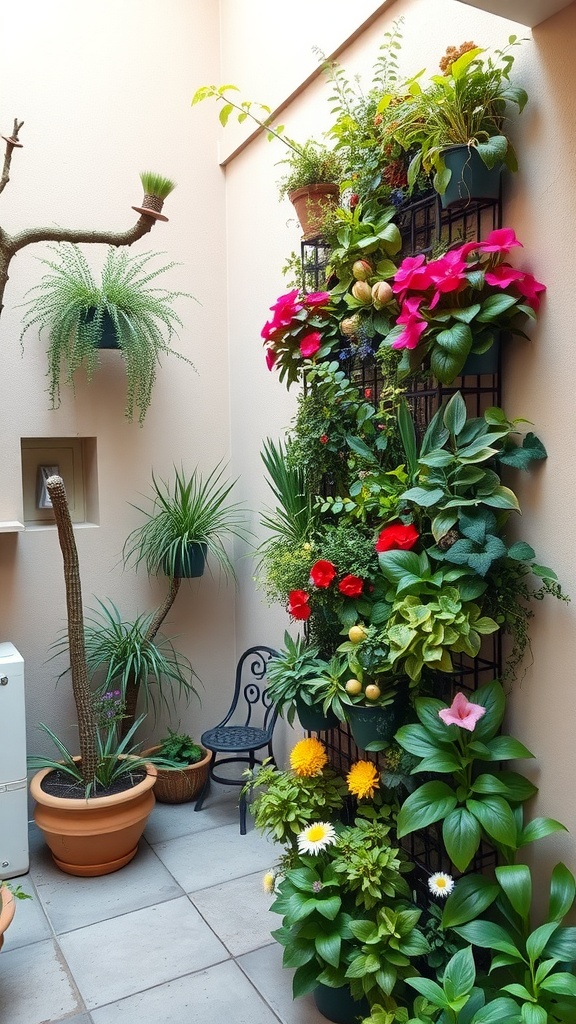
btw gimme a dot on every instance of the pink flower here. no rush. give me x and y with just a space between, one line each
270 358
448 274
503 275
462 713
316 299
324 438
414 324
298 606
351 586
322 573
310 344
530 288
499 240
412 274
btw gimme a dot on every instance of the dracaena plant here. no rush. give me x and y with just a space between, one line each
462 741
533 965
460 303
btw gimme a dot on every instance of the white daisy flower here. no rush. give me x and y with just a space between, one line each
441 884
316 837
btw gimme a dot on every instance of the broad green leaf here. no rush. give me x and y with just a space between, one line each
496 818
506 748
497 1011
562 945
562 892
427 709
490 696
538 939
560 983
471 896
533 1014
416 740
455 413
430 990
489 936
515 989
509 784
539 828
516 881
328 947
444 762
305 979
461 835
459 974
430 803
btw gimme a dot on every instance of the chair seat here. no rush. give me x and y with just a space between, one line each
234 738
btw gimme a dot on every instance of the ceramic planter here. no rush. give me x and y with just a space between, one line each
471 179
7 909
179 785
191 563
484 363
337 1005
370 724
97 835
313 719
312 203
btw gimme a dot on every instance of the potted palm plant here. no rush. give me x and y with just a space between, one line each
126 311
457 123
91 808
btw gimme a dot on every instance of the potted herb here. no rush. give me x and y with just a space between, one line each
91 808
127 310
156 188
185 522
457 123
292 677
186 776
312 181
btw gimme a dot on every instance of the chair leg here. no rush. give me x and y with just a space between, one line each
206 786
242 814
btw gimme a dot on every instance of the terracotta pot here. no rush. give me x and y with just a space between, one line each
179 785
7 909
94 836
312 203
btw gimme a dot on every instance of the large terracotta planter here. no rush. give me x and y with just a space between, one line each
179 785
312 203
7 909
94 836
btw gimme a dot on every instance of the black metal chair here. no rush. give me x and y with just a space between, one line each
247 727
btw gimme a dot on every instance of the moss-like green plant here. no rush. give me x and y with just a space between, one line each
74 310
156 185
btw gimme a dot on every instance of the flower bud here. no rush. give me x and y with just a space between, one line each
350 325
381 294
362 291
362 270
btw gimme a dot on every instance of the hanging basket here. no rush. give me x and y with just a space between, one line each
312 717
312 203
471 178
189 563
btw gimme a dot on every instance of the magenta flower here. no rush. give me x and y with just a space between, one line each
462 713
503 276
530 288
414 325
499 240
270 358
310 344
412 274
448 273
316 299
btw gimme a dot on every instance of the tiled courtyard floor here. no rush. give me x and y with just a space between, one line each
181 935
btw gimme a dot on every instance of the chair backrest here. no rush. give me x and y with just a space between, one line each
250 703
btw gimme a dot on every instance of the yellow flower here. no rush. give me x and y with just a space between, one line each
363 779
268 882
308 757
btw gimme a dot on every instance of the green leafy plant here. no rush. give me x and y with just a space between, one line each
459 999
466 105
289 801
289 674
180 748
74 310
534 965
460 741
191 510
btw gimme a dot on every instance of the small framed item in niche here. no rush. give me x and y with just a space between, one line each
43 499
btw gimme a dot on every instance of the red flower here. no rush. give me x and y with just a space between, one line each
310 344
397 536
322 573
316 299
351 586
324 439
530 288
298 606
412 274
354 200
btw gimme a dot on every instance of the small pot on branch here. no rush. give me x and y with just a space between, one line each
156 188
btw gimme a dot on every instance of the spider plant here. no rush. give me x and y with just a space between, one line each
156 185
75 311
190 510
292 519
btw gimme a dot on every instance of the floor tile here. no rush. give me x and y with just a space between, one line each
30 923
218 995
119 957
83 1018
216 856
169 821
35 985
73 902
264 969
239 913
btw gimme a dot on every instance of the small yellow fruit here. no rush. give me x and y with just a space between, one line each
372 691
362 291
362 270
356 634
382 294
353 687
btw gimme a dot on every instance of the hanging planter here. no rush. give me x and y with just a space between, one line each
156 188
481 364
470 178
312 717
188 563
376 723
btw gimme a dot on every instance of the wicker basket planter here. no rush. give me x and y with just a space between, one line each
179 785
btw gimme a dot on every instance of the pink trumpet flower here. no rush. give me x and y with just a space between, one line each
462 713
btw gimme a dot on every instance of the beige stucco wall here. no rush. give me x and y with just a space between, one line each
539 377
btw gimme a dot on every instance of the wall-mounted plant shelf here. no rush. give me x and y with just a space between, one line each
11 526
